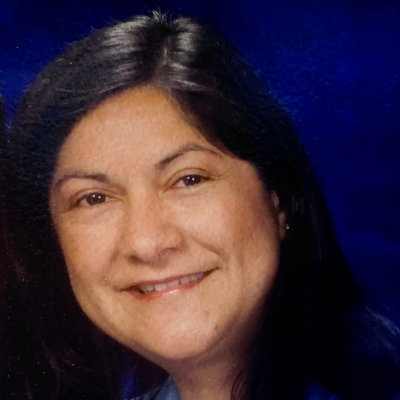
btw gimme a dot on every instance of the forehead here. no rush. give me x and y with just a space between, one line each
132 102
140 122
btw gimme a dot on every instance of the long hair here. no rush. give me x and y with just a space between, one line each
317 326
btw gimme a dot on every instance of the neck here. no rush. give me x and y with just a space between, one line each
205 380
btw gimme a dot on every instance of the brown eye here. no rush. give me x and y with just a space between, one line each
190 180
93 199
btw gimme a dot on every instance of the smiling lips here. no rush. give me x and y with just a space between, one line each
187 280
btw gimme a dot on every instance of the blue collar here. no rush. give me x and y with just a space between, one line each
168 391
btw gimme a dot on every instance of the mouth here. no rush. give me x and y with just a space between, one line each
175 283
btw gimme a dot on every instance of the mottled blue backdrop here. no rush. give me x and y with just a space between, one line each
335 65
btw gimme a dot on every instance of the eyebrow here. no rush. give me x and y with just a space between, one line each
186 148
79 175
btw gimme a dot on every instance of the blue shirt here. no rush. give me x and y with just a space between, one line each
169 391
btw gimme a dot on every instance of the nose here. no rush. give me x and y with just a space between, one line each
149 232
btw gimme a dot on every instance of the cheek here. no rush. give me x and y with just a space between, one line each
237 223
87 249
256 244
210 221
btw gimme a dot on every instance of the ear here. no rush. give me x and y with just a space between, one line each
280 216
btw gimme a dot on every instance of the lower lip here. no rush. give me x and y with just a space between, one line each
156 295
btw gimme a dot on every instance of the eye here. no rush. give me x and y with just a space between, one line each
190 180
91 199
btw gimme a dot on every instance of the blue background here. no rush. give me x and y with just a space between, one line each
334 65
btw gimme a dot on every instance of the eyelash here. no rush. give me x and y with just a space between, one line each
187 180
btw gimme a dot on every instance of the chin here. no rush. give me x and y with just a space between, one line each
179 347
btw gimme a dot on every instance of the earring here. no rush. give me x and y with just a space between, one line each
287 227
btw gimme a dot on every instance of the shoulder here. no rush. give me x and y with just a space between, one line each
316 391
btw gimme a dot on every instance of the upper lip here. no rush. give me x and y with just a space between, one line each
166 280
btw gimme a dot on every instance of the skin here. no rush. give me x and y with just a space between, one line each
139 195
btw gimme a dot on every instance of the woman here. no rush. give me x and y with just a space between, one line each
152 172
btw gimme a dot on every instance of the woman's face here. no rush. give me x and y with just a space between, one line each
172 245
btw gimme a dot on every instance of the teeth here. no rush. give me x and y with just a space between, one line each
160 286
147 289
195 277
185 279
172 284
